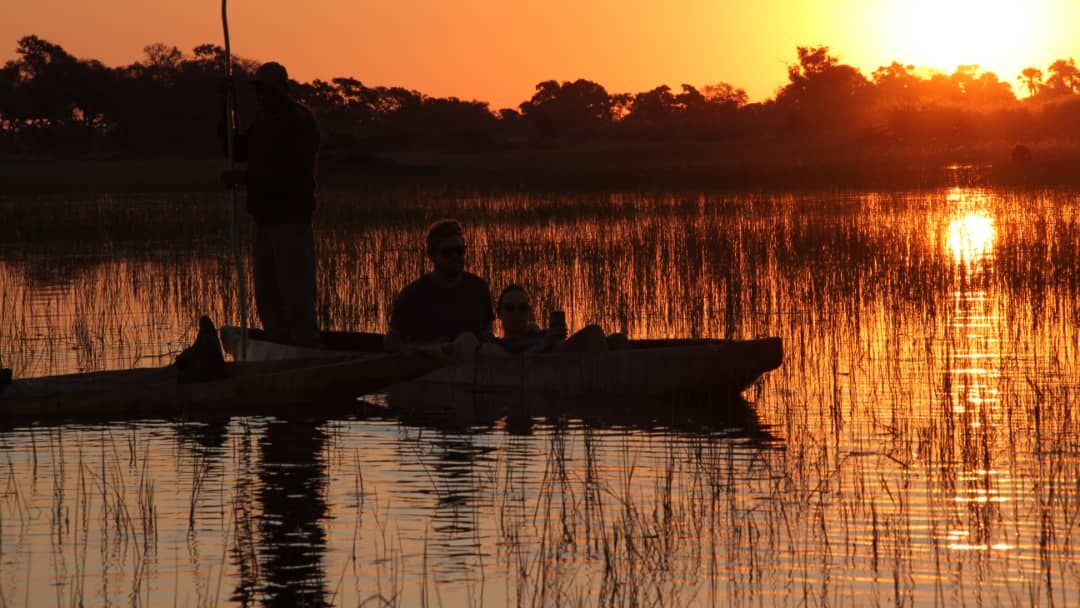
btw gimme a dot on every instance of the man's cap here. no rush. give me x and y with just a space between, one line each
272 73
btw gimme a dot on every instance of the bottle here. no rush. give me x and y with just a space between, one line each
557 319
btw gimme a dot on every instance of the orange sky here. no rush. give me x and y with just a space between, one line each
497 51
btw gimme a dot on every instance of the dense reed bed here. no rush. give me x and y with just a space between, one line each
918 447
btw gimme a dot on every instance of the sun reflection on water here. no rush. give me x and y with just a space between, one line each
971 238
973 347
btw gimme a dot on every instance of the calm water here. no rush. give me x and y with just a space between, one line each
919 446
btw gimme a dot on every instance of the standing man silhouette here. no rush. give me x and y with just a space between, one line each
281 149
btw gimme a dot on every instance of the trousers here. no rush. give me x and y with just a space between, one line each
283 262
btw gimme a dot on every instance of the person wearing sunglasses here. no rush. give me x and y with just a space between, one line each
520 332
446 309
522 335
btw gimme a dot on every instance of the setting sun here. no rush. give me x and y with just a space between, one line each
997 35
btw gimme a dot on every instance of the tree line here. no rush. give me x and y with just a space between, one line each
54 103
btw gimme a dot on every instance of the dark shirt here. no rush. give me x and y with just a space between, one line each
426 311
282 152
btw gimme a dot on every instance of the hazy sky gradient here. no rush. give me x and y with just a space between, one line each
497 51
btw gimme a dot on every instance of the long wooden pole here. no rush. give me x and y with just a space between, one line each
230 138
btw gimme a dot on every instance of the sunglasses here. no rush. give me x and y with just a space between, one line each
519 308
447 252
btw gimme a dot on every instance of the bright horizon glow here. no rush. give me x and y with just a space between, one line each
497 52
996 35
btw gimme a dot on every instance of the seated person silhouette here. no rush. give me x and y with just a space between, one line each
522 335
520 332
448 309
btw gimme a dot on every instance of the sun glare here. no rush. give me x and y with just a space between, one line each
971 238
997 35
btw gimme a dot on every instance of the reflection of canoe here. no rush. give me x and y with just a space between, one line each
250 387
517 411
648 367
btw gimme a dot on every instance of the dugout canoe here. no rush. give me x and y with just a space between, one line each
251 387
648 367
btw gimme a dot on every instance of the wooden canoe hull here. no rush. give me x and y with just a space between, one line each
251 386
648 368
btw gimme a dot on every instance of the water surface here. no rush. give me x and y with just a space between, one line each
919 446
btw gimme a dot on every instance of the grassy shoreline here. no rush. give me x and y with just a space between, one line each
710 165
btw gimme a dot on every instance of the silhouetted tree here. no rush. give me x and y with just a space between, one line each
55 101
720 114
651 112
620 106
512 125
575 110
9 80
447 123
1064 77
162 59
689 114
981 89
1032 79
897 84
822 94
725 94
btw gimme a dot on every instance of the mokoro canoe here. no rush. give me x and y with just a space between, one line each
648 367
249 387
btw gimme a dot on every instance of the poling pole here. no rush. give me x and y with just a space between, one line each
230 138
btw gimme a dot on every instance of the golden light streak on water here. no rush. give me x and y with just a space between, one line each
973 350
